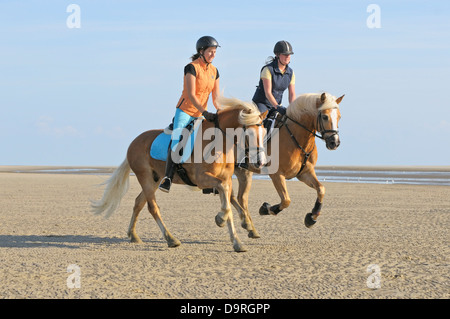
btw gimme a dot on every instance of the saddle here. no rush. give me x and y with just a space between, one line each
162 142
160 145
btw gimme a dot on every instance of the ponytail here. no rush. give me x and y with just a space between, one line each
196 56
270 59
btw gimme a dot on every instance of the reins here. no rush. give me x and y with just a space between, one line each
306 154
321 136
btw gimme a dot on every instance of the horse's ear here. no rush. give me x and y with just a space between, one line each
263 115
339 99
322 99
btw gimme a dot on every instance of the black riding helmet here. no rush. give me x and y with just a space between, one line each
283 47
206 42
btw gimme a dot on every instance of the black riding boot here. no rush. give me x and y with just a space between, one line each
166 182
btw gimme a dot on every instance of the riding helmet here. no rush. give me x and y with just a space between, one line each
283 47
206 42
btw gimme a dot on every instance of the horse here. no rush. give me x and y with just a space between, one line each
215 174
307 114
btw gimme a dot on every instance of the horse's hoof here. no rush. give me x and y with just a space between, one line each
220 221
239 248
173 243
245 225
264 209
309 221
253 234
135 240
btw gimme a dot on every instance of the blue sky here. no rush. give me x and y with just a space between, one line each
79 96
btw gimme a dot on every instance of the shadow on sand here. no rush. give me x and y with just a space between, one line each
79 241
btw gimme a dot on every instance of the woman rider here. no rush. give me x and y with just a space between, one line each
276 77
201 79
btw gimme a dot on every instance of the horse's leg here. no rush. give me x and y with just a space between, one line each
149 187
138 206
279 181
245 182
310 179
226 214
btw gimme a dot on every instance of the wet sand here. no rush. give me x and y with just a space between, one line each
46 225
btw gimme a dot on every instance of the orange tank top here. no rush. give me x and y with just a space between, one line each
204 84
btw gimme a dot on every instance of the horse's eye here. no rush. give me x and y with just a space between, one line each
325 117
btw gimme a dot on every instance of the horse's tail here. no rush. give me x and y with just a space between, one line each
116 187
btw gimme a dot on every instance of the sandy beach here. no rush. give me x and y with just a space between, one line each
46 226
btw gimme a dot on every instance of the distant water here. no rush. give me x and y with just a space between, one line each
386 177
411 177
381 177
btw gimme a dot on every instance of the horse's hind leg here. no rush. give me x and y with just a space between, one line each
154 210
138 206
149 187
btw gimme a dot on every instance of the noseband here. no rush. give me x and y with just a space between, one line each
320 126
323 131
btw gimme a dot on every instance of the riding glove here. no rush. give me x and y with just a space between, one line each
211 117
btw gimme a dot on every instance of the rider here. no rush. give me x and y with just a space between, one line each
276 77
201 79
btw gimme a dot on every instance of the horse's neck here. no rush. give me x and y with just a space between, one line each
229 119
302 135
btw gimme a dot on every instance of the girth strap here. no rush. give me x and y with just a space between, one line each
183 175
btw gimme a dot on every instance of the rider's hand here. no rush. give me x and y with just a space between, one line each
211 117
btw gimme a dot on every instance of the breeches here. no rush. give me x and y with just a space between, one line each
180 121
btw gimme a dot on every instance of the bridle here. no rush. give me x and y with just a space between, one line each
322 131
247 146
319 125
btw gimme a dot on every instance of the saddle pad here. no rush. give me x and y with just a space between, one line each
160 145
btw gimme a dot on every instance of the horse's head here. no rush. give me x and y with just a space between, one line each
328 118
253 140
243 121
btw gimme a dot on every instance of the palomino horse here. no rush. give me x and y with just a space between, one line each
298 155
216 174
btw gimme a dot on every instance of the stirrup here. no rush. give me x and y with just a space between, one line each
210 190
165 184
243 164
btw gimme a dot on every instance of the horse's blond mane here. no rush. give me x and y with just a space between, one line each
249 114
307 104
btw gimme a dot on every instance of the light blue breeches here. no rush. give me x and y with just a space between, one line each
180 121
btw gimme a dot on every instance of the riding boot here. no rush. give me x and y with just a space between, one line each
269 122
166 182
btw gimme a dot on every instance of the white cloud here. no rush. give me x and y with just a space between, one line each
46 126
112 132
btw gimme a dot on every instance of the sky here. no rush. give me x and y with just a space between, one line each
78 96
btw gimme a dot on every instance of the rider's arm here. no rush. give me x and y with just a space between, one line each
291 89
266 78
216 92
